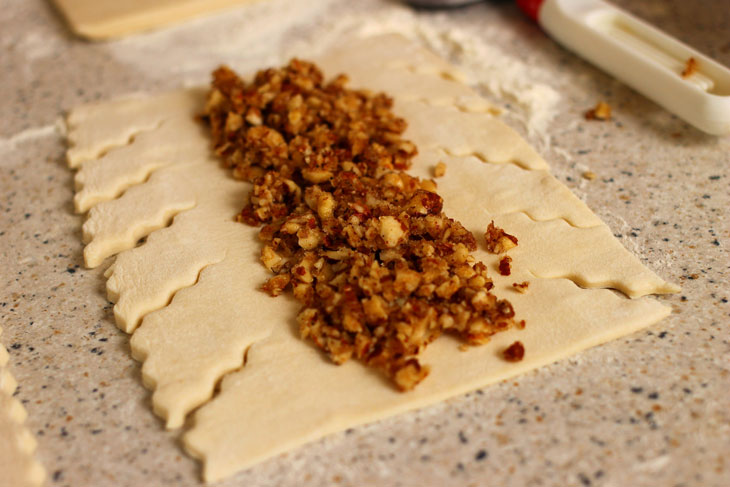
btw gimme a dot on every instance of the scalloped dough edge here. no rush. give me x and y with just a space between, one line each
18 465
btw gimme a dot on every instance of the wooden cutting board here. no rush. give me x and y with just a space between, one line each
105 19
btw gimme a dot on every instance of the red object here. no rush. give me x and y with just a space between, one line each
531 7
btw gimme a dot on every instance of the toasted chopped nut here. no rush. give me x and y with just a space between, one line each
429 185
309 238
448 288
406 281
325 205
271 259
425 202
589 175
410 374
316 175
690 68
253 116
375 308
439 170
215 101
521 287
498 241
233 122
514 353
481 300
391 230
276 285
339 254
505 267
393 179
602 111
366 249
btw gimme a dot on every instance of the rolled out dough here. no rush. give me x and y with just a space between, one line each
189 293
18 466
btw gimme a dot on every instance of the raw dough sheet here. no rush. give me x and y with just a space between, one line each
18 467
215 345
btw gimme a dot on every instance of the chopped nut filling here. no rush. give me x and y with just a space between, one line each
602 111
514 353
499 241
521 286
379 269
439 170
505 267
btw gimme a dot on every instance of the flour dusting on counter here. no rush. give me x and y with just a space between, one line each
506 80
270 33
246 38
11 143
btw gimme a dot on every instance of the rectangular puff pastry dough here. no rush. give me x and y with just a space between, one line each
18 466
190 294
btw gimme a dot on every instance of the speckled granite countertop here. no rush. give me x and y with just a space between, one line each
650 409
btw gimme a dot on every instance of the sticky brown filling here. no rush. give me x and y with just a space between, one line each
366 249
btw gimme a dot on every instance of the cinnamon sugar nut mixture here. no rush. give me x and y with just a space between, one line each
366 249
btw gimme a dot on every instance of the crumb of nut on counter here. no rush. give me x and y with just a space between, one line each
690 68
515 352
521 286
366 249
499 241
602 111
589 175
439 170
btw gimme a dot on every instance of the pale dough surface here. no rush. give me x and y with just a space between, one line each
18 467
104 19
211 340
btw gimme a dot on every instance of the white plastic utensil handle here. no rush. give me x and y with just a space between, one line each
643 57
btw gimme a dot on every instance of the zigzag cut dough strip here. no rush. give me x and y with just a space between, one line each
18 466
